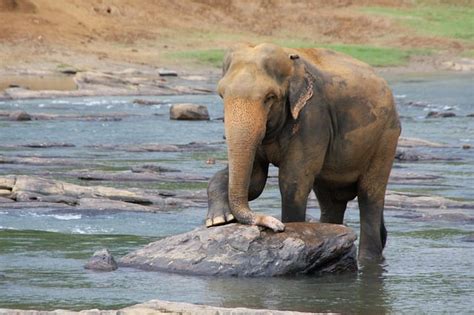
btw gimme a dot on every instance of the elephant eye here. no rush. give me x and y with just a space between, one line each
270 98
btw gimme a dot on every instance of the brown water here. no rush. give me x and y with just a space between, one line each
35 82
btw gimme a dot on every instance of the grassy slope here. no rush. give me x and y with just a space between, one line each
93 34
433 20
375 56
444 21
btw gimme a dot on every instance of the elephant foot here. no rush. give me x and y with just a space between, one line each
269 222
218 216
366 257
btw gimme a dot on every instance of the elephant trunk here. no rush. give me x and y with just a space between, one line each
245 123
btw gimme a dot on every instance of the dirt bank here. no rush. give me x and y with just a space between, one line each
114 35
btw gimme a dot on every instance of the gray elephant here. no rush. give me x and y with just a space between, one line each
326 120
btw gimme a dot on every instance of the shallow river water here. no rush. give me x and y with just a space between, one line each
428 267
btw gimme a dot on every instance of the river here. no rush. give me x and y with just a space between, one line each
428 267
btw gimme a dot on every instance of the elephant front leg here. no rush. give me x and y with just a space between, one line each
219 211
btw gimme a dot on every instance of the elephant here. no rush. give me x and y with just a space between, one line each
325 119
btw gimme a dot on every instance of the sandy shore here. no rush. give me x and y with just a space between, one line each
157 307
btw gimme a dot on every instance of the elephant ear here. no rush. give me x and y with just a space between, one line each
300 88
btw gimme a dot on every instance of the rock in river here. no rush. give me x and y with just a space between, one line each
19 116
189 112
102 260
250 251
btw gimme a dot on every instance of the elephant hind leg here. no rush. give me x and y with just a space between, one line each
371 197
218 200
333 203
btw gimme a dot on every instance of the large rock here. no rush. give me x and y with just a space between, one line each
31 192
241 250
189 112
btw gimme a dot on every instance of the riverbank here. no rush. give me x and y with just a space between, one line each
56 50
131 79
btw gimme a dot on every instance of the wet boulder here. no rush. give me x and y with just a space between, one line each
19 116
250 251
188 112
102 260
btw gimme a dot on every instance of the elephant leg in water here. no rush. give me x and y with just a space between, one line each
371 197
218 193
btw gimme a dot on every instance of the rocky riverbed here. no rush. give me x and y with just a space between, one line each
87 173
95 83
157 307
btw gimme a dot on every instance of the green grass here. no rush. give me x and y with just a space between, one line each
208 57
468 53
449 21
378 56
374 56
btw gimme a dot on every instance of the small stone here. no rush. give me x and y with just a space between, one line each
189 112
434 114
468 238
167 73
19 116
147 102
102 260
404 155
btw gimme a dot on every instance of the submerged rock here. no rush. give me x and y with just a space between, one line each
189 112
468 238
144 102
415 142
404 154
102 260
19 116
241 250
435 114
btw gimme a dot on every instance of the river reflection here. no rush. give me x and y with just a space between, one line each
363 292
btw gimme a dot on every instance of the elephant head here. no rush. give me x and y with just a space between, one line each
262 87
